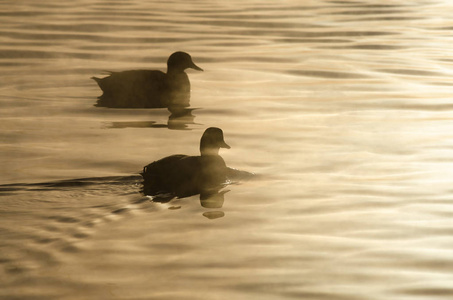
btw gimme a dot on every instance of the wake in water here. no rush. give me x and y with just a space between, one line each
121 184
106 196
97 182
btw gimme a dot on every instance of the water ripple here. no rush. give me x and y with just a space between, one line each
326 74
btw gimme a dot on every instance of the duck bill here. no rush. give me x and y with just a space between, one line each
224 145
195 67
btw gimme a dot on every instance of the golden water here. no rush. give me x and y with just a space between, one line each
342 108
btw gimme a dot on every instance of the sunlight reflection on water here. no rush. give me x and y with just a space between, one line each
342 108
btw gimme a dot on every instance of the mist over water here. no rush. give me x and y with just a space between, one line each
342 108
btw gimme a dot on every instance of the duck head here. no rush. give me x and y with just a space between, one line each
179 61
212 141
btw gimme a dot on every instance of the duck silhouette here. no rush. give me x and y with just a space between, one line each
182 175
149 88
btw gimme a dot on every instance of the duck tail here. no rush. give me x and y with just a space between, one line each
147 176
98 80
145 168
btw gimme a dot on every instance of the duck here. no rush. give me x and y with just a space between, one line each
183 176
149 88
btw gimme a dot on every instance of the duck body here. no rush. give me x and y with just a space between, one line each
183 175
149 88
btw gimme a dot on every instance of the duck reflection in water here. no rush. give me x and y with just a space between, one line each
149 88
183 176
176 121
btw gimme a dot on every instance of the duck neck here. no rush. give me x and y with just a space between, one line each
209 151
173 70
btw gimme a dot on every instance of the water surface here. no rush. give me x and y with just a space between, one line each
342 108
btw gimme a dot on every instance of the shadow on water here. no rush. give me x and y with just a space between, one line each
211 197
179 120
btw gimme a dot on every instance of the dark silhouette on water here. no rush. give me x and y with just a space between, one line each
183 176
149 88
180 121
